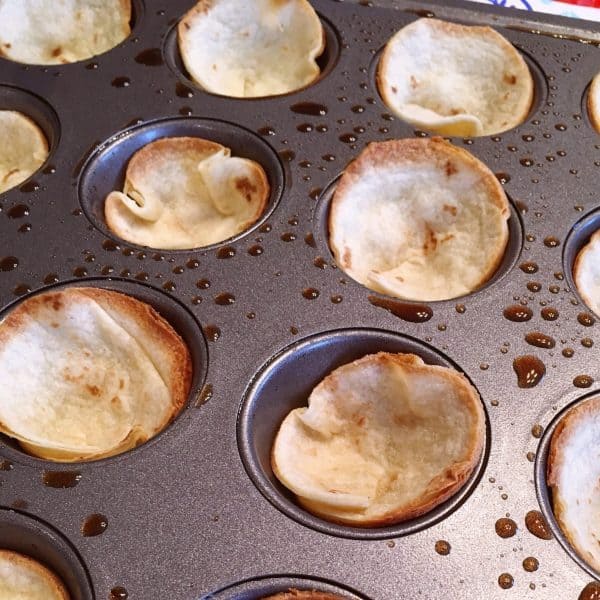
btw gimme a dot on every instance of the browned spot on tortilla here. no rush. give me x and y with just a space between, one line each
11 172
450 170
451 209
359 419
510 78
57 51
214 67
8 45
430 243
121 384
115 400
394 89
347 257
245 187
447 237
187 26
413 82
54 325
94 390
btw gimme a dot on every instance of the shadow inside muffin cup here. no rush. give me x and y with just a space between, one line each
285 383
31 537
543 491
509 259
263 587
326 61
105 169
177 315
540 87
577 238
39 111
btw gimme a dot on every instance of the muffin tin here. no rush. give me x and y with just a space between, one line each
195 513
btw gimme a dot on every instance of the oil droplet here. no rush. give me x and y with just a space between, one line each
505 527
9 263
287 155
18 211
61 479
94 525
587 342
304 127
226 252
203 284
517 313
266 130
224 299
255 250
521 207
319 262
121 82
348 138
568 352
391 544
309 108
336 299
183 91
549 313
310 293
315 193
192 263
442 547
531 456
110 246
25 228
583 381
186 111
460 309
206 393
118 593
505 581
309 240
414 313
30 186
20 503
294 330
531 564
534 286
590 592
537 431
503 178
529 369
152 57
551 242
586 319
212 332
21 289
527 162
288 237
535 338
169 286
537 525
529 267
80 272
6 465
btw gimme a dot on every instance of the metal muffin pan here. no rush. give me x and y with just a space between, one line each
185 518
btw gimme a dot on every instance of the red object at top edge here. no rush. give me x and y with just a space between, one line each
590 3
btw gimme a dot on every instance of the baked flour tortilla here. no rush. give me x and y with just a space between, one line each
251 48
186 193
88 373
22 577
43 32
455 80
573 472
418 219
23 149
384 439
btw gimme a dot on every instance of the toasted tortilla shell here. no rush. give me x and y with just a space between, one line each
455 79
185 193
586 272
573 472
40 32
384 439
419 219
88 373
593 102
251 49
22 577
23 149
